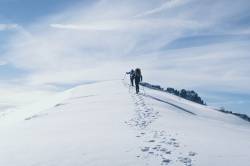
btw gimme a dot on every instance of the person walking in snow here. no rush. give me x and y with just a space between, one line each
138 79
132 76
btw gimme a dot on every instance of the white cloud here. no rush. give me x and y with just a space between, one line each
166 5
2 63
129 25
102 42
4 27
84 27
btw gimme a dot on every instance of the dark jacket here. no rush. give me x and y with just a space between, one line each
138 78
131 74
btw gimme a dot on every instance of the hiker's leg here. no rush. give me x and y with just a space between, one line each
137 87
132 81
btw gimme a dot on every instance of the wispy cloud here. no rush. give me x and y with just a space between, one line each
101 42
130 24
4 27
166 5
3 63
85 27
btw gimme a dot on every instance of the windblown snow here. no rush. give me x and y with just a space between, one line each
107 124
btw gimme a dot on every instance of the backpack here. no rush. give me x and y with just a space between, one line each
132 74
138 72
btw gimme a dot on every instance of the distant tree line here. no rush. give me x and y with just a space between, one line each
242 116
186 94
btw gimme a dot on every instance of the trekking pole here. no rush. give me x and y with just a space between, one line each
124 76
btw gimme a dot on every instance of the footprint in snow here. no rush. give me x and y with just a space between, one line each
165 162
187 161
192 153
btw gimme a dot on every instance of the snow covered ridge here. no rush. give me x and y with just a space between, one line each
108 124
192 96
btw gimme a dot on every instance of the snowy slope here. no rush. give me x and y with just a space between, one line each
107 124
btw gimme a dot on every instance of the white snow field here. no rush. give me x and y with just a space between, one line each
107 124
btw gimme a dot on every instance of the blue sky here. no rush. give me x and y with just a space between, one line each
192 44
27 11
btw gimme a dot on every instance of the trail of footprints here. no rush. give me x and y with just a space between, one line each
144 115
163 146
156 144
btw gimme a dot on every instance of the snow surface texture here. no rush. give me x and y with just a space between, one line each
107 124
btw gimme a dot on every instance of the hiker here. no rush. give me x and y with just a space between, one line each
132 76
138 79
